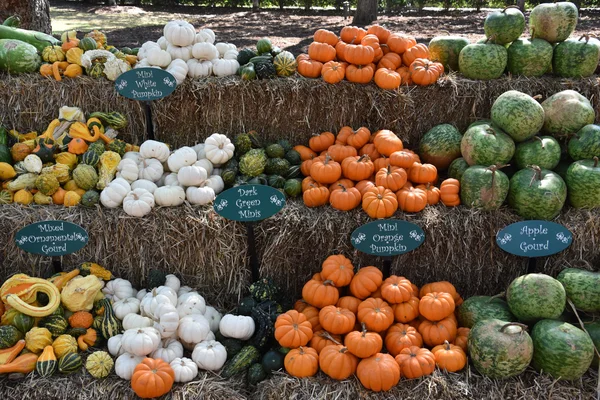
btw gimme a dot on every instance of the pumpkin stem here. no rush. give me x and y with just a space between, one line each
327 159
364 157
586 36
490 130
497 296
541 141
446 345
522 326
328 282
364 329
327 336
301 350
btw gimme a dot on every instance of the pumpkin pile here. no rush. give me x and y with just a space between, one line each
373 170
266 62
66 164
358 323
361 56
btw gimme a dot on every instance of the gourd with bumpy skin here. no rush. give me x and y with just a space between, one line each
64 344
79 293
85 176
109 161
99 364
37 339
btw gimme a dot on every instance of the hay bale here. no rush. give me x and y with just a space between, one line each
210 252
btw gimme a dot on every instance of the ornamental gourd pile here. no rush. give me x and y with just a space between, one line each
361 56
345 320
357 168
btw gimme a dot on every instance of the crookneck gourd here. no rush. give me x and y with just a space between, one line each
20 292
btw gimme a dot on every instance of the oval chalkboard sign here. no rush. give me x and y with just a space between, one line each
249 203
389 237
145 84
51 238
534 238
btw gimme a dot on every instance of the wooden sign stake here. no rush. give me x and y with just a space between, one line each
531 266
254 264
387 266
56 265
149 124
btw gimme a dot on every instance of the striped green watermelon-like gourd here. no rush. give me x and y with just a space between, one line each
18 57
582 288
241 361
56 324
69 363
46 364
480 308
23 322
85 176
90 157
285 64
111 326
97 147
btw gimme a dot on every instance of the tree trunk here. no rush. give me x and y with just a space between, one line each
366 12
111 2
255 5
521 4
388 7
307 5
34 14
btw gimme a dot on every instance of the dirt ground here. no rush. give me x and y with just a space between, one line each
289 29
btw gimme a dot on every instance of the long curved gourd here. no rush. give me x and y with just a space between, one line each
7 355
23 364
20 292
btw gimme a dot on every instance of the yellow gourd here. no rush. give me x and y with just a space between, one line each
46 70
74 55
71 185
73 71
61 280
79 130
72 198
41 199
20 292
97 270
109 161
23 196
79 293
64 344
6 171
53 54
59 171
37 338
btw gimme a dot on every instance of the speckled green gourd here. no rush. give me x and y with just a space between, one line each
533 297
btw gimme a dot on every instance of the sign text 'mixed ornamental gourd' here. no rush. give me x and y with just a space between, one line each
51 238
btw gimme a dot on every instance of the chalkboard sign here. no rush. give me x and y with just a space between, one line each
51 238
145 84
534 238
249 203
388 237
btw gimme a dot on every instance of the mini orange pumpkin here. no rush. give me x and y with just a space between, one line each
337 362
373 42
406 311
364 185
322 339
382 33
401 336
359 73
422 173
399 43
405 75
462 338
396 289
393 178
341 184
352 34
336 320
292 329
436 306
315 196
320 294
340 152
387 142
381 163
411 199
320 142
355 138
366 281
357 168
310 68
370 150
391 61
152 378
350 303
305 152
387 79
419 50
433 193
436 332
325 171
415 362
379 202
325 36
441 286
322 52
312 315
449 357
376 314
333 72
363 344
424 72
338 269
302 362
403 159
450 192
379 372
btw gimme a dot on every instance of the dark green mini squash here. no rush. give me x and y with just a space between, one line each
90 157
90 198
69 363
246 305
256 373
245 55
23 322
56 324
276 181
9 336
264 289
247 72
233 346
241 362
272 361
293 187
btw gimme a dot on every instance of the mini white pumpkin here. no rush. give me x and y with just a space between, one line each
167 320
193 328
182 157
200 195
237 326
118 289
138 203
144 184
206 164
199 69
142 53
193 305
173 282
191 175
222 48
188 295
169 350
123 307
134 156
179 33
114 345
210 336
125 364
217 171
128 170
140 341
209 355
112 196
150 169
155 149
200 151
205 35
179 52
157 57
222 67
140 294
150 303
169 196
183 290
33 164
205 51
213 317
179 69
143 63
185 369
215 182
163 43
133 321
219 148
230 54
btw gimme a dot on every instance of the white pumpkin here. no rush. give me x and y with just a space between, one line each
222 48
209 355
171 180
150 169
231 54
138 203
219 148
142 53
150 303
143 63
182 157
217 171
191 175
179 69
129 305
237 326
112 196
169 350
205 35
125 364
210 336
188 295
213 317
155 149
169 196
140 341
128 170
144 184
133 321
215 182
179 52
163 43
33 164
134 156
199 69
183 290
157 57
114 345
179 33
222 67
118 289
201 195
206 164
193 305
205 51
193 328
140 294
135 292
185 369
167 320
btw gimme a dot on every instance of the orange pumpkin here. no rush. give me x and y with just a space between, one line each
433 193
462 338
441 286
387 142
405 75
312 315
340 50
352 34
345 199
340 152
379 202
406 311
19 151
419 50
396 289
399 43
450 192
69 44
300 305
373 42
357 168
436 306
366 281
302 362
363 344
381 163
310 68
358 54
411 199
325 171
359 73
152 378
77 146
305 152
322 339
370 150
449 357
382 33
376 314
315 196
59 196
364 185
403 159
321 52
292 329
436 332
337 362
390 61
415 362
392 178
341 183
349 302
320 142
320 294
422 173
424 72
387 79
333 72
379 372
308 182
401 336
336 320
355 138
325 36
